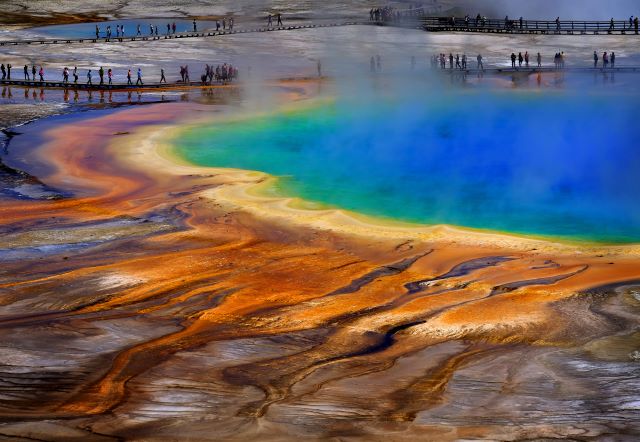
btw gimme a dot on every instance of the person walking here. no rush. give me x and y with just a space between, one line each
526 59
539 60
26 72
605 60
279 19
513 60
162 79
33 72
41 74
450 60
458 65
4 71
480 64
558 24
129 83
89 77
75 75
595 60
269 21
101 75
138 30
612 24
8 71
110 75
195 26
173 27
520 59
168 28
613 60
139 80
464 61
97 32
635 24
65 75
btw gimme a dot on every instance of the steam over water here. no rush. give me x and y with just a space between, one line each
553 164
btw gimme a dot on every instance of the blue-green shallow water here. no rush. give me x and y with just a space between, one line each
563 165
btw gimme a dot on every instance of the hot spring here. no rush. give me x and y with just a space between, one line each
564 165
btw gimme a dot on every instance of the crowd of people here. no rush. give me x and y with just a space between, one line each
390 14
222 74
457 62
226 23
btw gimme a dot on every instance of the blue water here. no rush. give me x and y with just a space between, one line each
88 30
561 165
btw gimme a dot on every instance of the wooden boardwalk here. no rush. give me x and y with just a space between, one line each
490 70
179 35
535 27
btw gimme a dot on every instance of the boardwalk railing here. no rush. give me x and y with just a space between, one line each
450 24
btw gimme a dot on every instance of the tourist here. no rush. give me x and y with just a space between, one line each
612 25
41 74
458 65
195 26
224 24
75 75
156 30
162 79
26 72
138 30
139 80
521 22
8 71
464 61
4 71
595 59
450 60
526 59
558 24
513 60
101 75
520 59
168 28
231 21
605 60
150 29
279 19
129 83
539 59
480 64
97 32
110 75
186 74
121 30
33 72
217 26
635 24
269 21
89 77
613 59
173 27
65 75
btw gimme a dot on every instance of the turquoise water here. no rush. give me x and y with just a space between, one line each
562 165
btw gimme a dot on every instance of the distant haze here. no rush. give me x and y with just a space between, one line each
541 9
